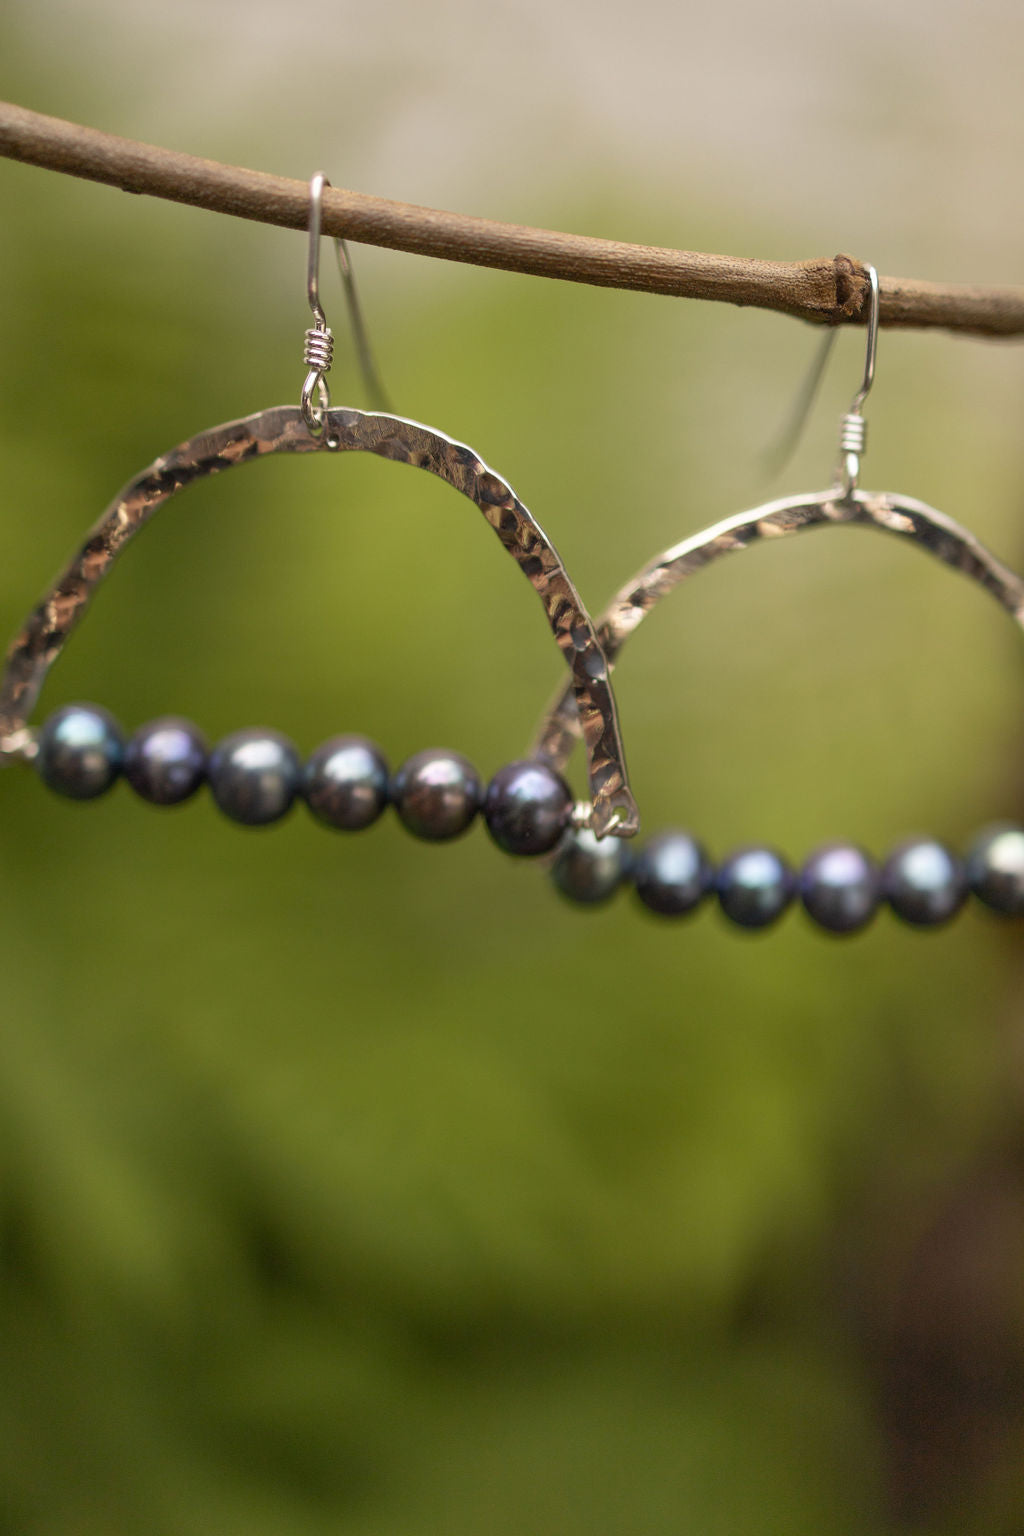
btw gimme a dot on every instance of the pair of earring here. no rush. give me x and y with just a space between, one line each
256 775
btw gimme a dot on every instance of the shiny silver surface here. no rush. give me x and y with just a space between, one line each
283 430
931 531
318 352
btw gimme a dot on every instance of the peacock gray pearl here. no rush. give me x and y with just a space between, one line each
437 794
840 887
255 776
345 782
924 882
755 886
589 869
165 761
527 808
995 869
672 874
81 751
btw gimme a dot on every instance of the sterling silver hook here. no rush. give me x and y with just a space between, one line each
318 353
853 429
316 190
319 349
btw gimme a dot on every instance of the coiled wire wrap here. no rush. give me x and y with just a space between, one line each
318 355
853 436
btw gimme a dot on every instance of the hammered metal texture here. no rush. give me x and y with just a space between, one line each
932 531
282 430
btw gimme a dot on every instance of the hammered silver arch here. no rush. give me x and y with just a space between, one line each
901 516
282 430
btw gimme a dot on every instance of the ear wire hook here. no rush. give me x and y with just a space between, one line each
779 454
376 394
318 353
853 429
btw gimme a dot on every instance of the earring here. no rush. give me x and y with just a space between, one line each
839 885
256 775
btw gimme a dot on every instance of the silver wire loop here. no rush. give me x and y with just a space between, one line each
315 416
853 428
318 353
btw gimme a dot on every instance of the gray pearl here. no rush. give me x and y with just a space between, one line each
345 782
840 887
81 751
254 776
924 883
165 761
995 869
672 874
588 869
437 794
527 808
755 886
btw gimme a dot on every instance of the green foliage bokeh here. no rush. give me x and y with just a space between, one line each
353 1183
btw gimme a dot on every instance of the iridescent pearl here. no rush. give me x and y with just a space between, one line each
165 761
437 794
81 751
346 782
588 869
527 808
254 776
672 874
755 886
840 887
924 883
995 869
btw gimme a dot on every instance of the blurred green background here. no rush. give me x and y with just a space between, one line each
356 1184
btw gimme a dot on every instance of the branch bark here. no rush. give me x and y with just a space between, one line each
829 291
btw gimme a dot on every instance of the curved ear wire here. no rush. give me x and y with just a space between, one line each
283 429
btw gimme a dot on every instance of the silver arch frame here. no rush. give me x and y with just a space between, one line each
902 516
281 429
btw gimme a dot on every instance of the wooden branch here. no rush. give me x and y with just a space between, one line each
830 291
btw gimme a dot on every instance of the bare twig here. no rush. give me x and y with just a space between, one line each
830 290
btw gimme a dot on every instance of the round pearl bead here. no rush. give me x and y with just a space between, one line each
345 783
840 888
672 874
924 883
254 776
436 794
588 869
527 808
165 761
81 751
755 886
995 869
